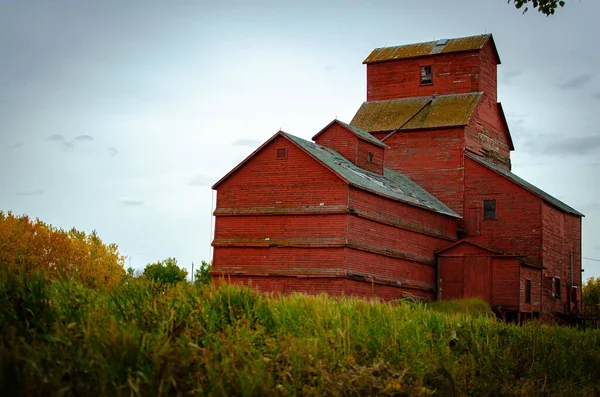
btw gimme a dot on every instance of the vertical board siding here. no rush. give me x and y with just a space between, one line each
451 277
433 159
505 282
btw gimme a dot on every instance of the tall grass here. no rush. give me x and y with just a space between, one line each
62 338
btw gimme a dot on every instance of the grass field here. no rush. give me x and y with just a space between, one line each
61 338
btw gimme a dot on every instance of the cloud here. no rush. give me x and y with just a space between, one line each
247 142
596 95
508 77
37 192
56 138
17 145
576 82
565 145
200 180
131 202
84 138
113 151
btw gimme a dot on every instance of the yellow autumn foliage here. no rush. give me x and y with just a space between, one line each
29 246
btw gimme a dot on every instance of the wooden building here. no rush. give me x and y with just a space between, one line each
415 197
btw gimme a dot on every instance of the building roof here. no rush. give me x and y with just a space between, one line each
416 113
461 44
528 186
391 184
361 134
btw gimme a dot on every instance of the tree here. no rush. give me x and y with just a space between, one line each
165 271
546 7
202 275
28 246
591 291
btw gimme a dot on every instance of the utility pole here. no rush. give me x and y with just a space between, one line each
192 272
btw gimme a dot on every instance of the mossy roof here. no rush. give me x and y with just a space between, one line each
461 44
416 113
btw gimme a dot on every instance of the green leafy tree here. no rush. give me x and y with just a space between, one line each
202 275
165 271
591 291
547 7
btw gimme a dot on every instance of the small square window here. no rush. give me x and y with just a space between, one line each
426 76
557 288
281 153
370 157
489 209
527 291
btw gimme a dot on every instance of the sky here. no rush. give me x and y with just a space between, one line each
119 116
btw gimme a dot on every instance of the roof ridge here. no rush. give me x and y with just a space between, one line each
391 184
524 184
434 41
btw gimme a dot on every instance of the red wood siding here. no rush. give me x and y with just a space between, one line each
297 181
517 228
534 275
505 282
452 73
282 260
341 140
451 277
401 215
332 286
371 235
433 159
408 274
282 229
561 236
486 134
488 75
362 157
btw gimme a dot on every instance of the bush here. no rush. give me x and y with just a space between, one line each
142 338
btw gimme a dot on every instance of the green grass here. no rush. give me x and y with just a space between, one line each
61 338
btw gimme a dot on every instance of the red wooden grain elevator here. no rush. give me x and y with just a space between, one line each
414 197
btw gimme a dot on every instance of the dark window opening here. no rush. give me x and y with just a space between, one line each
426 77
557 288
370 157
281 153
489 209
527 291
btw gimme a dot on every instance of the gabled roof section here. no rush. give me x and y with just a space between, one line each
391 184
430 48
526 185
416 113
476 245
361 134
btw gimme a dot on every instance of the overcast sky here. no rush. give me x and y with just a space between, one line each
119 116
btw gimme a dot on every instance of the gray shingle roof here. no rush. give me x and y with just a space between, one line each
363 134
523 183
391 184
